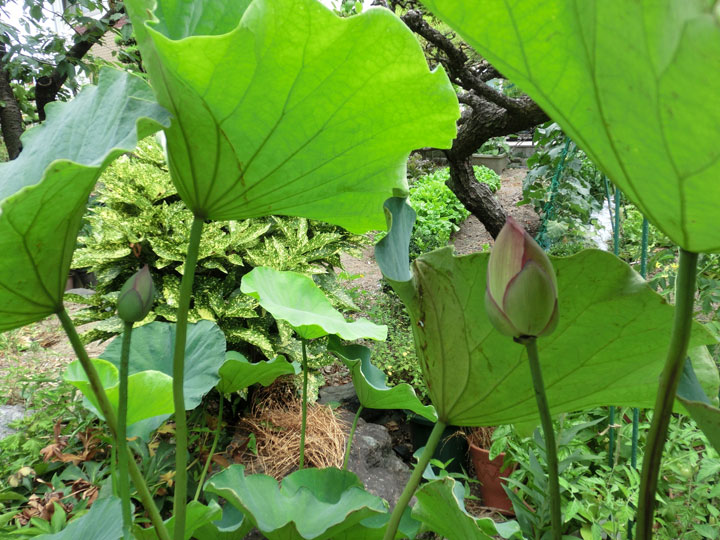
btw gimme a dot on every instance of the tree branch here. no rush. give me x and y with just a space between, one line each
486 120
457 64
487 113
47 87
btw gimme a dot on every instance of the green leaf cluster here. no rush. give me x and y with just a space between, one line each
496 146
136 211
567 206
440 212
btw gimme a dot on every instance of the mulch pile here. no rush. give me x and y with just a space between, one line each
275 421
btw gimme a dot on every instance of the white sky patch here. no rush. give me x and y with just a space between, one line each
12 13
335 3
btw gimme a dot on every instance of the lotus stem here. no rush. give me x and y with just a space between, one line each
123 449
181 430
669 380
111 421
216 436
350 437
303 422
548 433
411 486
611 435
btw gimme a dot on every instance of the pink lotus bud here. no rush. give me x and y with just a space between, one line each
136 296
521 293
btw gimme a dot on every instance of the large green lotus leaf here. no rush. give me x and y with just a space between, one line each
231 526
371 383
284 108
691 394
237 373
294 297
373 528
44 191
635 84
198 516
102 522
440 507
309 503
608 349
151 348
706 372
149 392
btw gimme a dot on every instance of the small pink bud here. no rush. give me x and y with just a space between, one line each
136 296
521 293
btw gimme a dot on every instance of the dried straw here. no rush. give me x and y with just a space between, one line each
481 437
276 425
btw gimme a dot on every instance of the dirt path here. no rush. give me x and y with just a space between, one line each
472 235
470 238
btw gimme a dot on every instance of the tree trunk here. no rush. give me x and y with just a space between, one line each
475 196
488 113
11 120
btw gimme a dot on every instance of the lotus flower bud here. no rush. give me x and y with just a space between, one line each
136 296
521 293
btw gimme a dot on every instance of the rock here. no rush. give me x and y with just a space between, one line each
80 291
344 395
374 461
9 414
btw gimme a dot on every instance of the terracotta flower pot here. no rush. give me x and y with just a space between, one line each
489 473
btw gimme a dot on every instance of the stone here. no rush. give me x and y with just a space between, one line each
373 460
343 395
9 414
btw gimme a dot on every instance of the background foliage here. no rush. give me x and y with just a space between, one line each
137 218
568 207
439 212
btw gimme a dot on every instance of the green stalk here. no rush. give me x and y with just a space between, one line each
616 251
123 449
547 426
113 470
669 380
350 437
181 430
216 436
303 424
111 421
611 434
411 486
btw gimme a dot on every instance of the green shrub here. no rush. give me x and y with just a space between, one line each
418 166
631 221
487 176
137 218
439 212
567 208
494 147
